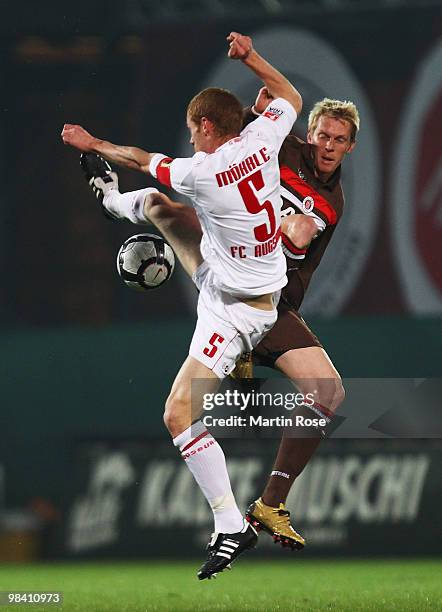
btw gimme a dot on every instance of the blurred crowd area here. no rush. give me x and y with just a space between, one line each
129 80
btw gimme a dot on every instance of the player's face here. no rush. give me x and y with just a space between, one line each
196 135
332 138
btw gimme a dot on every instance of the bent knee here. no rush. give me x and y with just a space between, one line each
177 415
339 392
171 412
329 392
155 203
334 393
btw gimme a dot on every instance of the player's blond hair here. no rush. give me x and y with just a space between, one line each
339 109
219 106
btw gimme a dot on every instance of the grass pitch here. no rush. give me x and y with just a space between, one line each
292 584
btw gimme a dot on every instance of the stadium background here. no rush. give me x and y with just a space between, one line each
86 363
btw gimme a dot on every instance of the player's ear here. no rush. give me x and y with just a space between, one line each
207 126
309 137
351 147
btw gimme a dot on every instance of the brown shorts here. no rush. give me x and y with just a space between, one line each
289 332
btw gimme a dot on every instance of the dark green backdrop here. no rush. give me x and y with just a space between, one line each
58 385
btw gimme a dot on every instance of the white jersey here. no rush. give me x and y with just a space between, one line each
236 195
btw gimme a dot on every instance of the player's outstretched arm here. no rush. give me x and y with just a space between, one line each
277 84
128 157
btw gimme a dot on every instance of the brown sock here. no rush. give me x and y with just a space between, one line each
293 456
296 448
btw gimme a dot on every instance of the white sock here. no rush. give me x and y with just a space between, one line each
205 459
128 205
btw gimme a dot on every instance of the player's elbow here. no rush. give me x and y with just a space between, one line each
293 96
296 102
289 93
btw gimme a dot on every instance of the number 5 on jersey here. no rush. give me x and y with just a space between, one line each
214 343
246 188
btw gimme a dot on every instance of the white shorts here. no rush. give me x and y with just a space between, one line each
226 327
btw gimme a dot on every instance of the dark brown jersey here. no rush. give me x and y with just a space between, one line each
303 193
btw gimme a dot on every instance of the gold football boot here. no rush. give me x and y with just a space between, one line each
243 367
276 522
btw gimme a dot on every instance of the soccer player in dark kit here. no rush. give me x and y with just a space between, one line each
312 206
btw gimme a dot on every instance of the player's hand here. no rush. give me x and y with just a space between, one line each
263 99
78 137
240 46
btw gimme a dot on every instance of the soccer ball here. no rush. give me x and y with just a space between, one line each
145 261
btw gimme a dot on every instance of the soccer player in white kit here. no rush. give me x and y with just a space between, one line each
233 182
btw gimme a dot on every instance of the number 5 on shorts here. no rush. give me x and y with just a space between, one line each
210 351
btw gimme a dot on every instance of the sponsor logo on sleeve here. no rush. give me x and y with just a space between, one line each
273 113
